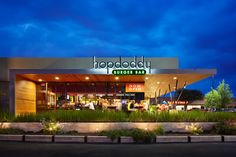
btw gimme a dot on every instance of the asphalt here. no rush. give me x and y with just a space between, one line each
14 149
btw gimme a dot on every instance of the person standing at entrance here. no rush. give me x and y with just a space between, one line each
91 106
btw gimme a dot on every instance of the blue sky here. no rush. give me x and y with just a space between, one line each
202 33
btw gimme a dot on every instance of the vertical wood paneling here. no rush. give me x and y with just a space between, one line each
25 96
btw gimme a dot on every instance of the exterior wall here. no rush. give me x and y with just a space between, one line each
4 96
25 96
73 63
4 72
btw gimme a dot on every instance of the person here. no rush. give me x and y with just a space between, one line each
118 106
78 106
90 105
130 106
145 106
99 105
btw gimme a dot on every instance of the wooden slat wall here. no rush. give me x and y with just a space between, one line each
25 96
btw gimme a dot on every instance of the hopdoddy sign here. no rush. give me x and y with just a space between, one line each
135 66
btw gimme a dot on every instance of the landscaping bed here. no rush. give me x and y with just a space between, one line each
119 127
111 116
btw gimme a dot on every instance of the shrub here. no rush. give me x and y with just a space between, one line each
73 132
11 131
50 127
194 129
142 135
139 135
159 131
224 128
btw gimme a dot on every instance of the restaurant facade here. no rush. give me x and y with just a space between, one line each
30 85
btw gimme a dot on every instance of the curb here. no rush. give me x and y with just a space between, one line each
126 139
230 138
11 138
69 138
171 139
101 139
38 138
200 139
122 139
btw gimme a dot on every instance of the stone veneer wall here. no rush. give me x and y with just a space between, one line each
97 126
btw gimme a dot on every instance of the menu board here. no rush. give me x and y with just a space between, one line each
134 87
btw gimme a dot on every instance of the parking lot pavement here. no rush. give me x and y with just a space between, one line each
14 149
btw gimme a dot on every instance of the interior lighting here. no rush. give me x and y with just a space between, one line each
57 78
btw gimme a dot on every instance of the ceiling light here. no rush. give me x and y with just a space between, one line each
175 78
57 78
86 78
146 78
40 80
117 78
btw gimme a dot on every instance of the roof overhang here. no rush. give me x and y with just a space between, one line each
159 82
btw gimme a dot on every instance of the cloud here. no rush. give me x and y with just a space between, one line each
201 33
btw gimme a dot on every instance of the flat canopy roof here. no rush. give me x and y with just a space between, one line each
157 82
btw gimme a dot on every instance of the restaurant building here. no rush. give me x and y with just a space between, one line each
30 85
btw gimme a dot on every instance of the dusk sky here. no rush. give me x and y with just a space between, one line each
201 33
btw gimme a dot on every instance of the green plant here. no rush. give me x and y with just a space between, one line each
212 99
224 128
225 94
6 116
194 129
219 98
74 132
142 135
108 116
50 127
159 130
113 134
11 131
139 135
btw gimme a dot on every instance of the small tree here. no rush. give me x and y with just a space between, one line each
219 98
213 99
225 93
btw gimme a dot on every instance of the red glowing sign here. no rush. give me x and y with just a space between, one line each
134 87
